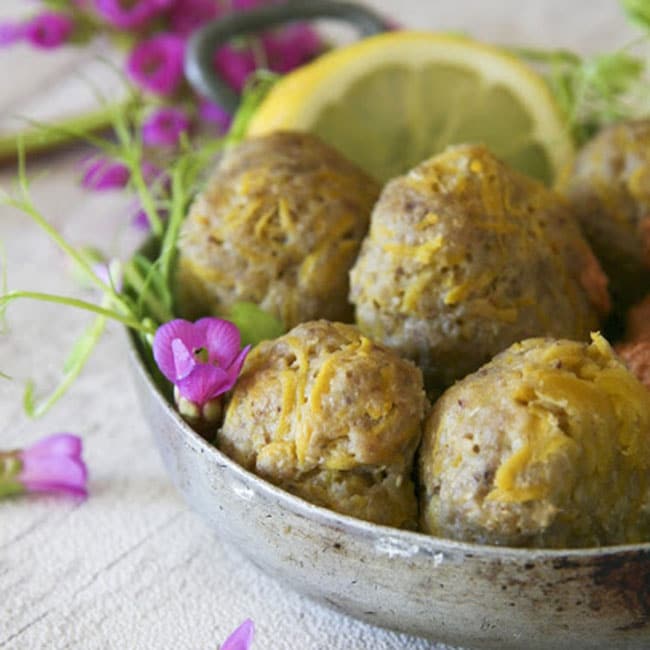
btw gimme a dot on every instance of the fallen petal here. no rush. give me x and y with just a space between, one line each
241 638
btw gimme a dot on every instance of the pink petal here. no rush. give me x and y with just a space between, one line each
235 367
165 126
188 15
162 344
221 338
105 174
53 474
58 444
241 638
204 383
214 114
156 64
234 65
49 30
290 47
184 361
130 16
10 33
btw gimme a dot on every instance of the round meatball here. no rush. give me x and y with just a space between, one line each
327 414
635 350
638 321
636 355
466 256
609 191
279 224
548 445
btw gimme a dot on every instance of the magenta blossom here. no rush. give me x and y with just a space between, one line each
215 114
156 64
165 126
234 65
52 465
105 174
202 359
187 15
241 638
290 47
130 14
48 30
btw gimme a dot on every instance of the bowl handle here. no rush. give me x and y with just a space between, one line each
199 67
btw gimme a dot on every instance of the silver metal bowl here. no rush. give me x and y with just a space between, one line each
462 594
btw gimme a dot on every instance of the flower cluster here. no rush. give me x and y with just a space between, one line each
156 33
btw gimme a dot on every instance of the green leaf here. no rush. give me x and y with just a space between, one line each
638 11
613 74
254 324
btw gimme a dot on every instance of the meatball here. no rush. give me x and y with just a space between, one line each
638 321
548 445
328 415
636 355
466 256
609 191
635 351
279 224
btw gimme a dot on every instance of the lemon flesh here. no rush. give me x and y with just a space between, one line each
390 101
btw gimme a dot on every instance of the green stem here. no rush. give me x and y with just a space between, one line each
82 353
142 289
80 304
10 467
38 140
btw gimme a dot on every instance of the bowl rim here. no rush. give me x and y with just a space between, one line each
417 542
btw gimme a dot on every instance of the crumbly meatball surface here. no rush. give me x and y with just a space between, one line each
609 191
547 446
327 414
464 257
279 224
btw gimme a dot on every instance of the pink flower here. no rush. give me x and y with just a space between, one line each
130 14
165 126
214 114
188 15
290 47
241 638
48 30
52 465
104 174
234 65
156 64
202 359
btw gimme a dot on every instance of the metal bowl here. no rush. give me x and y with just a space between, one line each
462 594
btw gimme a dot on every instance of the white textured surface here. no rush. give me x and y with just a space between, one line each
132 567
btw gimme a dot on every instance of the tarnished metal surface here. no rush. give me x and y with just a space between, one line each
462 594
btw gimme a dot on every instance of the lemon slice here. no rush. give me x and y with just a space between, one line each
390 101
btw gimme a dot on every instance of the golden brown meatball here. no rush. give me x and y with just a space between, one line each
328 415
464 257
609 191
548 445
279 224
